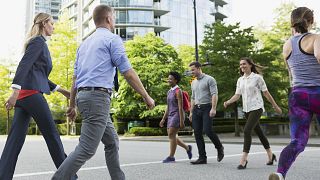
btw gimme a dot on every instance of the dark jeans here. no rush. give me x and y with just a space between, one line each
252 123
33 106
202 122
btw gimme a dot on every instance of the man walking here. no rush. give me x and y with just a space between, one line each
97 58
203 108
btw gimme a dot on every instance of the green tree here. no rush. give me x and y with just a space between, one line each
271 42
223 46
186 54
152 59
63 46
5 92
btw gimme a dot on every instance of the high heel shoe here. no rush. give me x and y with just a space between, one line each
242 167
274 158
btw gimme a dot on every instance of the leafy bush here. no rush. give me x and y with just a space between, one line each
147 131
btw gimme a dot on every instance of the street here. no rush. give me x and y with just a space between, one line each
141 160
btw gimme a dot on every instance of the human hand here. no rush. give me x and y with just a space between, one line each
212 112
72 113
190 117
11 102
150 102
226 104
161 123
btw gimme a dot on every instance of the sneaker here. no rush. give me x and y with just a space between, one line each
189 152
276 176
169 160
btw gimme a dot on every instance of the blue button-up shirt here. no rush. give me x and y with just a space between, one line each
97 58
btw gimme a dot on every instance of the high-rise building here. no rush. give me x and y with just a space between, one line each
34 7
173 20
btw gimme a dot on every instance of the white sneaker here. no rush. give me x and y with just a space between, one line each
276 176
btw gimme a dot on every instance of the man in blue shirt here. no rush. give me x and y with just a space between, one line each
97 58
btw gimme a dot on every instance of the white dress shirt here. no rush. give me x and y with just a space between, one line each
250 88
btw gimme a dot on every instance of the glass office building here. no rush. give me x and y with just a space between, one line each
34 7
173 20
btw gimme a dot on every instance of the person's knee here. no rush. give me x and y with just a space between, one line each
299 145
247 132
171 135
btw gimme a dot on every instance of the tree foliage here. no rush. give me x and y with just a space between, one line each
223 46
271 41
63 48
5 82
152 59
186 54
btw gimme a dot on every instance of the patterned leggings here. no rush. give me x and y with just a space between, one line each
303 103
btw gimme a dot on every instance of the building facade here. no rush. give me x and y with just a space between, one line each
172 20
34 7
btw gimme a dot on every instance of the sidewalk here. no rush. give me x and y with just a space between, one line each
226 138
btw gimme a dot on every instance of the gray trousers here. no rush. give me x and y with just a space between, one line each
94 108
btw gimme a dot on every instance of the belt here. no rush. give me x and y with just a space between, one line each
109 91
199 106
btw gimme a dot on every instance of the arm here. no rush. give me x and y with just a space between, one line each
271 100
134 81
233 99
214 101
71 112
285 53
316 48
30 56
64 92
191 110
181 112
165 116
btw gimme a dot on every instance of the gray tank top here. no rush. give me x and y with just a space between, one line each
304 67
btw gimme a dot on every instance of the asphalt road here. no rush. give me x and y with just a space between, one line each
141 160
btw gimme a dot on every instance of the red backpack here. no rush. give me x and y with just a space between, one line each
185 100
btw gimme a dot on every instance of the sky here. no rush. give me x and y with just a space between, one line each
247 12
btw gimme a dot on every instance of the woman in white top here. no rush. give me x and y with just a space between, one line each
249 86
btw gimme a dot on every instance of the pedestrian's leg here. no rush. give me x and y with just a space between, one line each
110 140
197 124
172 133
182 144
264 141
94 109
300 119
42 115
252 119
14 143
208 129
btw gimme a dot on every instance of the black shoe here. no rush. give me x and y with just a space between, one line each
274 158
199 161
220 154
242 167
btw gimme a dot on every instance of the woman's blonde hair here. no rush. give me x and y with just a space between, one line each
37 27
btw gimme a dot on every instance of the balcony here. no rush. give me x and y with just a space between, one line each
218 12
157 9
219 2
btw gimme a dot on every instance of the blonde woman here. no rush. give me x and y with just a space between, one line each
29 84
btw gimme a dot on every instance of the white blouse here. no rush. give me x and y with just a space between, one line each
250 88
